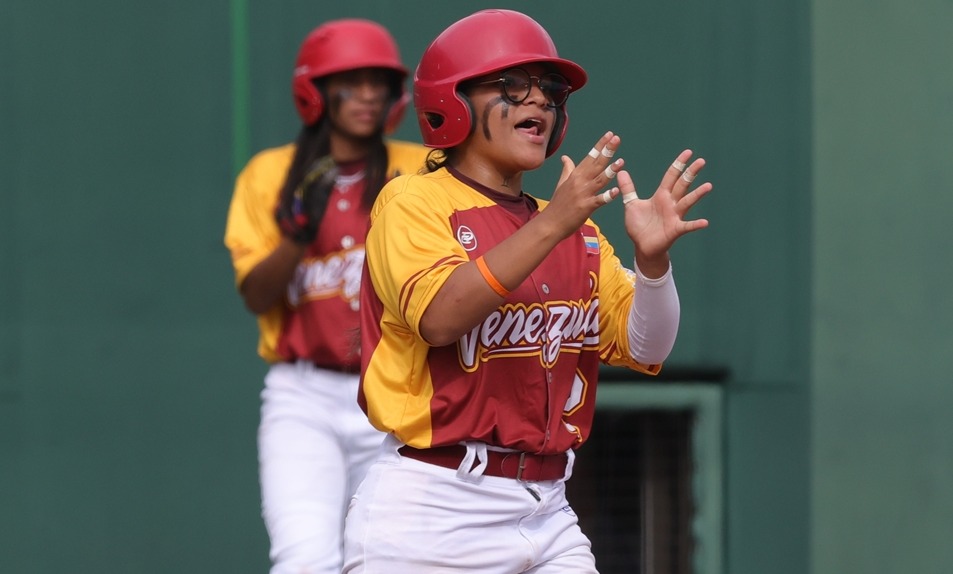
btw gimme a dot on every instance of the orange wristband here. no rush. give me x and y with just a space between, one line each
490 279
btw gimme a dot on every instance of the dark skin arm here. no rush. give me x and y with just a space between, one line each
266 284
466 298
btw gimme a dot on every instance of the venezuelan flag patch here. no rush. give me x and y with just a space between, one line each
592 244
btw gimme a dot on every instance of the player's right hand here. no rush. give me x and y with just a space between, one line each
582 187
299 211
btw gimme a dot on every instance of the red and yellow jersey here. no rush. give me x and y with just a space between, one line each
319 317
525 377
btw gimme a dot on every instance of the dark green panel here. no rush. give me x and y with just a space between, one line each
768 486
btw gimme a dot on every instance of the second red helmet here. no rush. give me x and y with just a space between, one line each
341 46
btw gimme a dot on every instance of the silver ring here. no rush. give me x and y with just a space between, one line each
606 196
688 176
606 152
631 196
594 153
609 173
680 166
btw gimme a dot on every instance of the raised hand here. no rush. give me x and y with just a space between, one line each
655 223
579 191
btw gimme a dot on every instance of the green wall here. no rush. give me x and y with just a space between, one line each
128 379
882 336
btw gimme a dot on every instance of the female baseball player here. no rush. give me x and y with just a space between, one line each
295 230
486 313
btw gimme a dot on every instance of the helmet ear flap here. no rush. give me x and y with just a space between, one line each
559 131
396 113
308 100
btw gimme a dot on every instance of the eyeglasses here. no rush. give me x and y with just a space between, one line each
517 84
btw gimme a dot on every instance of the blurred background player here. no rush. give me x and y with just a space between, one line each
295 231
486 313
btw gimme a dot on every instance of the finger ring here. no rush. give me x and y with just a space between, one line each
606 152
594 153
680 166
688 176
609 173
606 196
631 196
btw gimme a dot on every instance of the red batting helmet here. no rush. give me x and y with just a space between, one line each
341 46
481 43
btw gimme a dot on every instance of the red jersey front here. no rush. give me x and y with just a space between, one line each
322 320
319 317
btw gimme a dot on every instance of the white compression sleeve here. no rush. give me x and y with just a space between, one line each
653 319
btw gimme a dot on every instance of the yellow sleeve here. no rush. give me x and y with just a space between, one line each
251 232
616 289
410 249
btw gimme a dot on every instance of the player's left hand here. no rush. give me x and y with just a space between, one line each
655 223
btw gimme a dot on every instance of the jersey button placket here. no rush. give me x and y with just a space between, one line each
548 377
549 394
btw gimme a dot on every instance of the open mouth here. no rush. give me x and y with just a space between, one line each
531 126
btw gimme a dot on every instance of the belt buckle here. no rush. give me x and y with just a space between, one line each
519 470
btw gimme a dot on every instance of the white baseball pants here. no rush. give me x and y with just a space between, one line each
412 517
314 447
